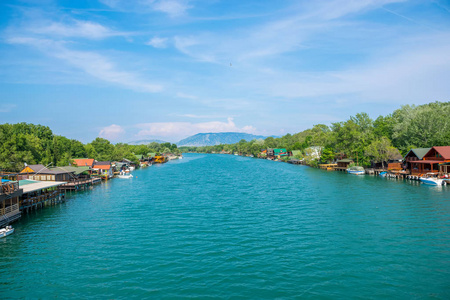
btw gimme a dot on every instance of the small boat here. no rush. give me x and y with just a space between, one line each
131 168
356 170
6 231
383 174
124 175
432 179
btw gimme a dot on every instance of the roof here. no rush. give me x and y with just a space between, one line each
442 150
151 154
102 167
139 156
81 162
72 169
345 160
34 168
418 152
279 151
41 169
38 185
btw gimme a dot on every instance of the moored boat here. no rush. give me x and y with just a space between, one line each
432 179
124 175
6 231
356 170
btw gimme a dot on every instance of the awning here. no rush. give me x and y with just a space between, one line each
39 185
427 161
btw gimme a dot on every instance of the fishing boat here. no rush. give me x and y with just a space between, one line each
432 179
124 175
356 170
6 231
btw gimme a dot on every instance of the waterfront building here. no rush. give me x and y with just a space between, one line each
414 155
42 173
9 202
37 194
84 162
343 164
103 169
431 160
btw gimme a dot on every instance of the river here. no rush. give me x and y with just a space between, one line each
222 226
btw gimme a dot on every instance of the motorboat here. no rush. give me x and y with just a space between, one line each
383 174
6 231
356 170
124 175
432 179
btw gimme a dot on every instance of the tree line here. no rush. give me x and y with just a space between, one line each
359 137
36 144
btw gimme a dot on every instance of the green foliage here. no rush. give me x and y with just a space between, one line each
381 151
359 137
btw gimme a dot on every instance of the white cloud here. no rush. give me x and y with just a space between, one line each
112 132
184 129
91 63
416 75
173 8
186 96
6 108
285 34
158 42
83 29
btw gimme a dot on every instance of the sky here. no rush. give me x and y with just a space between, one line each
167 69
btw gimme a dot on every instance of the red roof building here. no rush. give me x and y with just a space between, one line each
84 162
431 160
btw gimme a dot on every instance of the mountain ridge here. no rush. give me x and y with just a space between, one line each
217 138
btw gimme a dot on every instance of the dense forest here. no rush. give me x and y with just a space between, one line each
359 137
27 143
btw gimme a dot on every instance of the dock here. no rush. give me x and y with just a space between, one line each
80 184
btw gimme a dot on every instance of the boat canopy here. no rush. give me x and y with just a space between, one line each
356 168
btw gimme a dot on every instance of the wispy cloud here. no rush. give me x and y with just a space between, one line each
6 108
158 42
76 28
112 132
173 8
184 129
186 96
91 63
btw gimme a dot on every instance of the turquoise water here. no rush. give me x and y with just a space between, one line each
222 226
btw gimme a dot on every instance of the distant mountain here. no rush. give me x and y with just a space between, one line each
145 142
211 139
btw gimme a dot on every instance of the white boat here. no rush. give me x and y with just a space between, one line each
6 231
131 168
124 175
356 170
432 179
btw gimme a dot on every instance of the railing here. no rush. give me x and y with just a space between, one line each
9 210
41 198
9 187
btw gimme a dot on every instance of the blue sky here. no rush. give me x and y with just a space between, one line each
167 69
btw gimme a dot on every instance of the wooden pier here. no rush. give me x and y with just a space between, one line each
80 184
